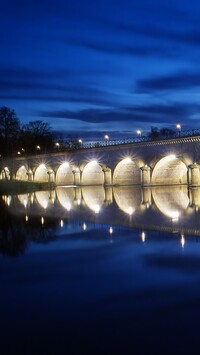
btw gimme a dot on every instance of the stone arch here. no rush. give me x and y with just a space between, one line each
171 201
127 173
41 173
169 170
64 175
92 174
128 199
66 197
22 173
94 198
5 174
43 198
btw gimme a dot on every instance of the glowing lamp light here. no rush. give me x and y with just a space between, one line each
93 162
127 160
139 132
178 126
65 164
171 157
106 137
111 230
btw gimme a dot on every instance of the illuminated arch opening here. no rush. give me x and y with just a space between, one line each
5 174
41 173
92 174
169 171
43 198
94 198
64 175
127 173
22 173
66 197
128 199
23 199
171 201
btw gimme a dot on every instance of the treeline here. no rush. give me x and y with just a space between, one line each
19 139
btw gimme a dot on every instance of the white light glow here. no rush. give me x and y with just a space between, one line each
182 241
111 230
84 227
143 237
61 223
127 160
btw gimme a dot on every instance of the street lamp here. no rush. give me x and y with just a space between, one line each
178 126
57 144
139 132
80 141
38 147
106 137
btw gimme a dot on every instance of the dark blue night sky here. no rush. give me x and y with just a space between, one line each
104 65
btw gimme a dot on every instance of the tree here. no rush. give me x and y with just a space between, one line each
36 136
162 133
9 131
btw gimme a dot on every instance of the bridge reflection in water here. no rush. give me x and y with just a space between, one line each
172 208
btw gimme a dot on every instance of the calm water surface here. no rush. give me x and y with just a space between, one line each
100 271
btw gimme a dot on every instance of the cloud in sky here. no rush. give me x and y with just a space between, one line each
80 64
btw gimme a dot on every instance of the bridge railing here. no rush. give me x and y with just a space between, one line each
106 143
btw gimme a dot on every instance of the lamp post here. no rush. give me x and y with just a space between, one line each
139 132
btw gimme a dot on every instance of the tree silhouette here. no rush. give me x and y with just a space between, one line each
9 131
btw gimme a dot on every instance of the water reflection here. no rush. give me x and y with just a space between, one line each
37 215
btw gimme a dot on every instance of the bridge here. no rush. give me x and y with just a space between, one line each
171 161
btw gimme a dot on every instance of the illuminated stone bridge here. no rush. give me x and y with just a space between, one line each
163 162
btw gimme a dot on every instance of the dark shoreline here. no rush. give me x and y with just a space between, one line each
19 187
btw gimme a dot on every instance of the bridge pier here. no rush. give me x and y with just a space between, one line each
108 195
146 175
194 174
77 176
107 176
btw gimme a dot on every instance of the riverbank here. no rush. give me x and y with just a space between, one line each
20 187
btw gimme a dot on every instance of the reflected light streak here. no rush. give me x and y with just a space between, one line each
143 237
96 208
61 223
111 230
42 220
130 210
26 218
84 227
182 241
174 215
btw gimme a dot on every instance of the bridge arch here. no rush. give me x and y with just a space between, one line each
127 198
94 198
64 175
65 197
22 173
171 201
127 173
5 174
42 173
92 174
169 170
